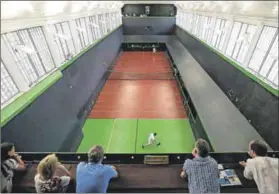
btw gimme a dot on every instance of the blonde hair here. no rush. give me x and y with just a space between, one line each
47 166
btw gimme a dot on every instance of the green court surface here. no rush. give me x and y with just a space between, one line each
127 135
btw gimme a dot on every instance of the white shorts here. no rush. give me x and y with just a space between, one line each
151 141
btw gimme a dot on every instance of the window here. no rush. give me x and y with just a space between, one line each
119 18
270 68
8 86
63 40
264 44
102 23
206 28
199 26
94 27
220 31
108 23
30 52
82 32
113 20
240 40
195 24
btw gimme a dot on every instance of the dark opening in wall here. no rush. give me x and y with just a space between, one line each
149 10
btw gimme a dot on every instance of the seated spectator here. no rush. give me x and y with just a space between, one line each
46 180
10 161
94 177
261 168
202 172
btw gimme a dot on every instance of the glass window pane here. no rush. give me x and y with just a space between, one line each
233 38
43 52
263 44
8 86
20 53
270 66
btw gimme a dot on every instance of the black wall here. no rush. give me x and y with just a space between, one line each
254 101
148 25
155 9
53 121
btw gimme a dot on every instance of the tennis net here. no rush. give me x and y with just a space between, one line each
117 75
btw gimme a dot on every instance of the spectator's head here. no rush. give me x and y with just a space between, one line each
7 150
154 134
202 148
257 148
96 154
47 166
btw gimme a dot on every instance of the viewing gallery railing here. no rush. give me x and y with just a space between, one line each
140 172
173 158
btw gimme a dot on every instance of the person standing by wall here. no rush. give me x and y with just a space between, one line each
261 168
46 179
10 161
94 177
202 171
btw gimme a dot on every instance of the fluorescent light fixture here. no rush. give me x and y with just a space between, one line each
243 38
80 29
62 36
94 25
218 32
25 49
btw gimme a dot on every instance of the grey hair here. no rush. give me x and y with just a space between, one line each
96 154
203 148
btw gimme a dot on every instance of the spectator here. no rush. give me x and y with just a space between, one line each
46 181
10 161
202 171
261 168
94 177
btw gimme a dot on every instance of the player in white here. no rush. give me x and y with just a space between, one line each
152 140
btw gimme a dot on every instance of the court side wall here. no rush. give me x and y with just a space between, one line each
255 102
148 25
54 120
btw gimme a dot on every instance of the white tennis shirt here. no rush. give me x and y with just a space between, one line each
151 137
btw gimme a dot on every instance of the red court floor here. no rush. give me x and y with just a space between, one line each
140 98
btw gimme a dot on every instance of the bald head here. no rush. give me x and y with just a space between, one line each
259 147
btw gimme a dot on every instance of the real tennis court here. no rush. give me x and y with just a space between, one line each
127 135
141 96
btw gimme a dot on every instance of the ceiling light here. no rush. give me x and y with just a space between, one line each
80 29
94 25
62 36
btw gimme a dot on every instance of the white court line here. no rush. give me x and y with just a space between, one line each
111 135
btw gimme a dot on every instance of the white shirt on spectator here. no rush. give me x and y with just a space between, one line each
264 170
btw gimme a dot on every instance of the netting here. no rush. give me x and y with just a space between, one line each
117 75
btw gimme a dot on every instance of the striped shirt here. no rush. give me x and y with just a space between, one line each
202 175
8 167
